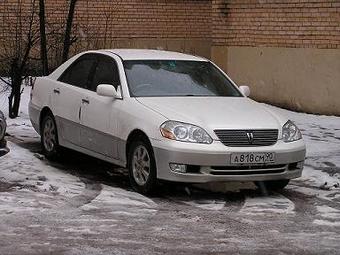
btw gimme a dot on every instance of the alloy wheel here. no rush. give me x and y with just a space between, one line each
49 135
141 165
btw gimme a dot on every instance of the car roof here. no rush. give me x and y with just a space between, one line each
139 54
130 54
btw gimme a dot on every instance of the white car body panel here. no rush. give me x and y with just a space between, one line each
215 112
101 127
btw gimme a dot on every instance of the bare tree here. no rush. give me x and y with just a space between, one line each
15 54
43 42
68 30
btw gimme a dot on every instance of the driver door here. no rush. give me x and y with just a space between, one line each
98 112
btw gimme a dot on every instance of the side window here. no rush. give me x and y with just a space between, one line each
78 74
106 72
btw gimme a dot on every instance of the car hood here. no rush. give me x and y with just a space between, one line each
216 112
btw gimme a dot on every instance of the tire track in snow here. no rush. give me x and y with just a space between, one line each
212 201
91 191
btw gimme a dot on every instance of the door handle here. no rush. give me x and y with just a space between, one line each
56 91
85 101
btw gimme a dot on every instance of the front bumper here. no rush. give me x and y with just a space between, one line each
211 162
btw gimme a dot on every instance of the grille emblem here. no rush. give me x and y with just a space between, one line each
250 137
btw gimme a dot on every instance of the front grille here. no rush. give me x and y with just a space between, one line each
246 138
248 167
248 170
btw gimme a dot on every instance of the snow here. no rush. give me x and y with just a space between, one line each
269 204
207 204
328 212
21 127
20 166
327 223
322 136
125 202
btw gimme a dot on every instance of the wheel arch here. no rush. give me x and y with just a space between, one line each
45 110
133 136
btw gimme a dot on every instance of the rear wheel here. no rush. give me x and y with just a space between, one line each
272 185
49 137
142 167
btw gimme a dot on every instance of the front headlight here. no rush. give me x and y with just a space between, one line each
290 132
184 132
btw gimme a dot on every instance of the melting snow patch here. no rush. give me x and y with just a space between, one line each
328 212
81 231
118 196
270 204
213 205
327 223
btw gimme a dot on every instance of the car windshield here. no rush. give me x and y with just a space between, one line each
165 78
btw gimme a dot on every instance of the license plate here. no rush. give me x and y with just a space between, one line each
252 158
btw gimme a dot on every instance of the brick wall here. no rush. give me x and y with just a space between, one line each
124 19
179 25
146 19
276 23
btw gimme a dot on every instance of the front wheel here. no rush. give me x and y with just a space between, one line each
272 185
142 167
49 137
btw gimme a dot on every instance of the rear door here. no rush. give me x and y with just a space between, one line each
98 112
68 98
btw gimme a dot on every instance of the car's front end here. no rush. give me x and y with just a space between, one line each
207 139
3 143
229 158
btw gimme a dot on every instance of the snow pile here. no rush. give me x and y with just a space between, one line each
22 168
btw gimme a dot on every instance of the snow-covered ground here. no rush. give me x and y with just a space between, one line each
83 206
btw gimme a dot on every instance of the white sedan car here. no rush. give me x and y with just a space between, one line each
164 116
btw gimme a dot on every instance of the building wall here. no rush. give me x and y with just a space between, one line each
181 25
287 51
277 23
167 24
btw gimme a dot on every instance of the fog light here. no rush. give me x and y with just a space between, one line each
178 168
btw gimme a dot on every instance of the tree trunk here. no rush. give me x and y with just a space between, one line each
43 43
14 98
67 37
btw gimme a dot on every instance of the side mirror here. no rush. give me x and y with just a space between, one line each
107 90
245 90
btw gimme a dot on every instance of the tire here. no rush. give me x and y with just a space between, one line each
272 185
49 137
142 167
